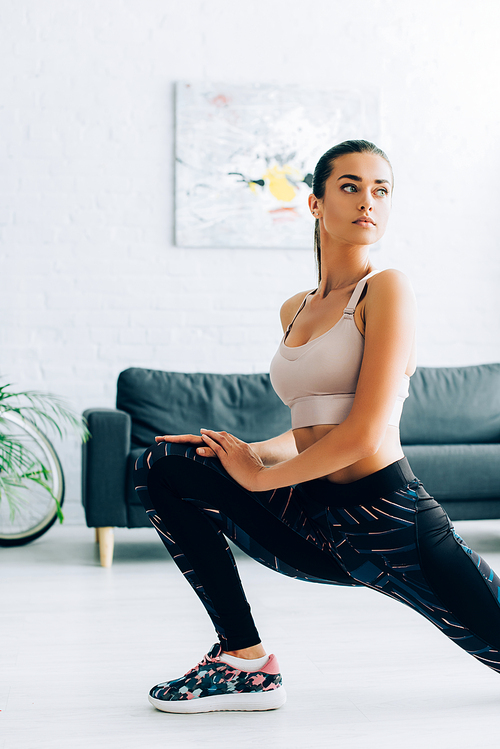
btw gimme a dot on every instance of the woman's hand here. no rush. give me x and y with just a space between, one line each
236 456
189 439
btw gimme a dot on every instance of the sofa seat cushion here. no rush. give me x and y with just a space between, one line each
460 471
181 403
453 405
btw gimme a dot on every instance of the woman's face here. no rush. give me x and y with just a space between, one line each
357 201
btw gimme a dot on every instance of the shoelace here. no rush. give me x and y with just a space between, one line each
205 661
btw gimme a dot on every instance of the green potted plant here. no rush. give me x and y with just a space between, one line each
31 477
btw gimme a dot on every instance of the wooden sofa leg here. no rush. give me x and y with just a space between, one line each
106 540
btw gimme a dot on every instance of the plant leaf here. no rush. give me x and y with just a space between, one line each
46 408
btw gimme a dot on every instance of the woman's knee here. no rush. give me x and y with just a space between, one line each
155 452
150 473
167 459
145 462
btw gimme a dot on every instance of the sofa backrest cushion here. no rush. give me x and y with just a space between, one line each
452 405
177 403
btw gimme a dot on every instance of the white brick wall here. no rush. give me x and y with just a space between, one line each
91 282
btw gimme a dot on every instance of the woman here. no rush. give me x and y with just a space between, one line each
334 500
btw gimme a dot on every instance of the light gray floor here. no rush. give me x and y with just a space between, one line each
82 645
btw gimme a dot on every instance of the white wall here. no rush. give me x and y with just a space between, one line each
91 281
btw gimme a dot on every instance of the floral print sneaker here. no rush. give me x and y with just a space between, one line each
214 685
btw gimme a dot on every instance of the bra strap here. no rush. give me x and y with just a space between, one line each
299 310
353 301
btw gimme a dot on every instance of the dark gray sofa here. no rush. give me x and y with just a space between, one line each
450 431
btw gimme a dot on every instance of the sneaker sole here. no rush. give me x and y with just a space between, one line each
245 701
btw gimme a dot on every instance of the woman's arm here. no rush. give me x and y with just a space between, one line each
270 451
277 449
389 333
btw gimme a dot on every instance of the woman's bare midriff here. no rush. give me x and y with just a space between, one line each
388 453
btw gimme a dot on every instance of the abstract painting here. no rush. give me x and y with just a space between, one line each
245 156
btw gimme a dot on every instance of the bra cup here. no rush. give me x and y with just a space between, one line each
318 367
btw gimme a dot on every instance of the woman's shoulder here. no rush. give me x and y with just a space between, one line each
389 287
390 280
290 307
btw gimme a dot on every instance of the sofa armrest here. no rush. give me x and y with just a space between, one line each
104 464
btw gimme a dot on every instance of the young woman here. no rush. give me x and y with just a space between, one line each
334 500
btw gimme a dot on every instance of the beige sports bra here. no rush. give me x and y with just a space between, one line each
318 379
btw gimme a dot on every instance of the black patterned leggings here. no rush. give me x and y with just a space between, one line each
384 532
